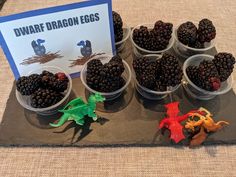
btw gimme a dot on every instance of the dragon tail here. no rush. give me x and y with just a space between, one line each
61 121
221 123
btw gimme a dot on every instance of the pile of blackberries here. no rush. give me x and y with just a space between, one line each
195 37
44 89
209 74
153 39
105 77
118 26
158 74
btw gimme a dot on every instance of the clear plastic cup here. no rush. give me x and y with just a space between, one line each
108 95
25 100
197 92
141 51
121 44
152 94
186 51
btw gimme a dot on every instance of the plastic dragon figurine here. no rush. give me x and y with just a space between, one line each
173 121
77 109
205 122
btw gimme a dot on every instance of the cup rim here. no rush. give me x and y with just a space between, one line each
153 91
191 48
198 88
125 26
27 106
171 41
106 93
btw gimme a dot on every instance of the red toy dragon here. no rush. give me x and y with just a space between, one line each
173 121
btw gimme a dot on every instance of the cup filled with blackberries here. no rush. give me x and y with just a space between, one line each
121 31
152 38
109 76
192 38
207 76
44 90
156 76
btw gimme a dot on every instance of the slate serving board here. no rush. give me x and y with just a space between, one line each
130 120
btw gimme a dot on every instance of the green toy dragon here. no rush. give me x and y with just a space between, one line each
77 109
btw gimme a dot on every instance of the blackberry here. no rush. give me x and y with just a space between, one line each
47 79
147 80
141 37
145 65
61 82
146 70
206 31
27 85
43 98
159 86
163 30
192 72
61 76
197 45
59 86
117 59
208 75
112 69
118 26
93 81
107 77
94 67
153 39
171 72
57 82
224 63
117 20
187 33
157 43
118 35
46 73
111 84
140 64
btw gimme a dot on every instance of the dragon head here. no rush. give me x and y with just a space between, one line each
99 97
40 41
81 43
96 98
172 109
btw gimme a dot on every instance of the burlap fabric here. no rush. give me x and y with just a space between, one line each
161 161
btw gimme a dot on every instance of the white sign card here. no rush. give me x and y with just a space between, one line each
64 36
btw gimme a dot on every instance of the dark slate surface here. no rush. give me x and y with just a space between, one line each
128 121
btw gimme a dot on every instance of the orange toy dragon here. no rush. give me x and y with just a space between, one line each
205 122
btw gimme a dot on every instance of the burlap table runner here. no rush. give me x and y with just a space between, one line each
161 161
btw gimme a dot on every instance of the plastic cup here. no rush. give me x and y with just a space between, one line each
108 95
186 51
25 100
138 51
152 94
197 92
121 44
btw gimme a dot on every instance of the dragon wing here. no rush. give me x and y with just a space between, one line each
75 110
88 43
74 103
34 44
